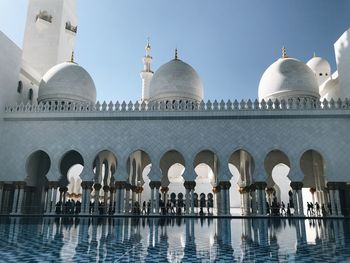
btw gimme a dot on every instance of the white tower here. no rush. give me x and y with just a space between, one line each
146 74
49 34
342 55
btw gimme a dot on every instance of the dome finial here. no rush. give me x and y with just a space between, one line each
72 57
284 52
176 56
148 48
314 54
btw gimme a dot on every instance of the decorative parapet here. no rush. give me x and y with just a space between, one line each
161 106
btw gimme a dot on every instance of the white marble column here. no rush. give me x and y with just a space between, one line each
105 199
117 199
54 199
127 199
188 201
189 186
192 201
337 202
295 201
297 198
225 196
20 197
157 200
15 200
1 194
253 200
48 200
261 196
97 188
122 198
300 203
152 199
331 197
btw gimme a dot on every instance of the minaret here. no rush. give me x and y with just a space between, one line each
146 74
49 36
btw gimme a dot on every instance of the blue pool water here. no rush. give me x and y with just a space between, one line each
173 240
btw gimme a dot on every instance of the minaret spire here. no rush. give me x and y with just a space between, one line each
176 55
72 57
284 52
146 74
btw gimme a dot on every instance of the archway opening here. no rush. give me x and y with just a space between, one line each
172 166
241 165
314 184
138 166
277 167
37 166
104 167
70 168
206 168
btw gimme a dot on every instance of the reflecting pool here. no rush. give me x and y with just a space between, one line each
173 240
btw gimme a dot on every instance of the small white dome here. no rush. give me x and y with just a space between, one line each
176 80
321 69
67 82
330 89
287 78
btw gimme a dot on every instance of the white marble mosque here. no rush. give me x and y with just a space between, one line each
58 143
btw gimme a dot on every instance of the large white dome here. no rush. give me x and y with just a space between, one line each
67 82
176 80
321 69
287 78
330 89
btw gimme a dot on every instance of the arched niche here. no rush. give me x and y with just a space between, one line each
138 167
243 164
277 167
69 159
174 160
104 167
37 166
312 165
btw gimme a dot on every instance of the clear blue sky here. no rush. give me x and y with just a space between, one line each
229 42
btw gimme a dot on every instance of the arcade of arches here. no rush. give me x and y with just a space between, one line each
181 186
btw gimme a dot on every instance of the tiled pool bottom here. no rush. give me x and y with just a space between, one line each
173 240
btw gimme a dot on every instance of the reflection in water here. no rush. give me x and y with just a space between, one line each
173 239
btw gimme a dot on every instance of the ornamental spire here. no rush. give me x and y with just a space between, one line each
284 52
176 56
72 57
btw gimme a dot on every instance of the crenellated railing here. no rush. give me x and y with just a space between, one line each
180 105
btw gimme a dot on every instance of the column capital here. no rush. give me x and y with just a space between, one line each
333 185
252 187
225 185
63 189
164 189
112 189
260 185
97 187
106 188
245 189
87 184
2 184
53 184
120 185
216 189
128 186
190 185
155 184
20 184
296 185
